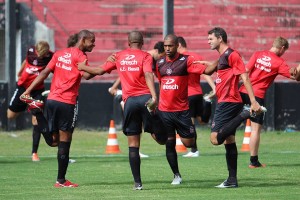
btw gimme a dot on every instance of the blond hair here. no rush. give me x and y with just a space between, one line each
42 48
280 42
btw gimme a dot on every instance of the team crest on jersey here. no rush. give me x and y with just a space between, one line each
169 71
35 62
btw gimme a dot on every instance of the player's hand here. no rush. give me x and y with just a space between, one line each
256 108
151 104
112 91
82 65
111 58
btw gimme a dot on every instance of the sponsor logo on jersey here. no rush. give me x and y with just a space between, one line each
129 60
264 63
65 58
35 62
32 70
169 84
183 58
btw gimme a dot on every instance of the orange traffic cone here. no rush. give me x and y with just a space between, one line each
112 146
180 148
246 141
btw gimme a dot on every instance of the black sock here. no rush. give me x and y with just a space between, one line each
63 160
172 155
36 135
229 128
135 164
231 159
43 128
194 148
253 159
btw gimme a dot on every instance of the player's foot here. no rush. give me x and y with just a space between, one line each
72 161
177 179
33 104
35 157
143 155
246 111
65 184
228 184
191 154
137 186
256 165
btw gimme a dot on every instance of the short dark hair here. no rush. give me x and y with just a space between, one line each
172 37
159 46
72 40
219 32
182 41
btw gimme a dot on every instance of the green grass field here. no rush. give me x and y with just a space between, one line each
109 177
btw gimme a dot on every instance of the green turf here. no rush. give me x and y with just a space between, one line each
109 177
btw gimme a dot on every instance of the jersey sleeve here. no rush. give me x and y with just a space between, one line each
194 68
147 64
237 63
284 70
109 66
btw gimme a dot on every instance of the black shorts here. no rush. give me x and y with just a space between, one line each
246 100
196 105
136 116
61 116
178 121
16 105
225 112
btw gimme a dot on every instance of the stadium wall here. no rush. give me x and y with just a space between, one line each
97 107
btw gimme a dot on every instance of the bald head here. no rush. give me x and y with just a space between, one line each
173 38
135 37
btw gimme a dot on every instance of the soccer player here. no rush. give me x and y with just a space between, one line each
172 72
199 109
228 114
37 57
263 68
62 100
134 67
157 52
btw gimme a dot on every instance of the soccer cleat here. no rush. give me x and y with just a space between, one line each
177 179
143 155
191 154
137 186
65 184
32 103
72 161
35 157
257 164
246 111
208 97
227 184
45 93
151 106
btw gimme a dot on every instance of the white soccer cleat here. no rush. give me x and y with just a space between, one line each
143 155
177 180
45 93
191 154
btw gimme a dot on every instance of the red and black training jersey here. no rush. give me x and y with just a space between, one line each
173 78
33 66
230 67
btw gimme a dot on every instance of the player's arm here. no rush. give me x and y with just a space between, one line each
91 70
150 83
38 80
113 89
210 82
254 104
22 68
211 66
